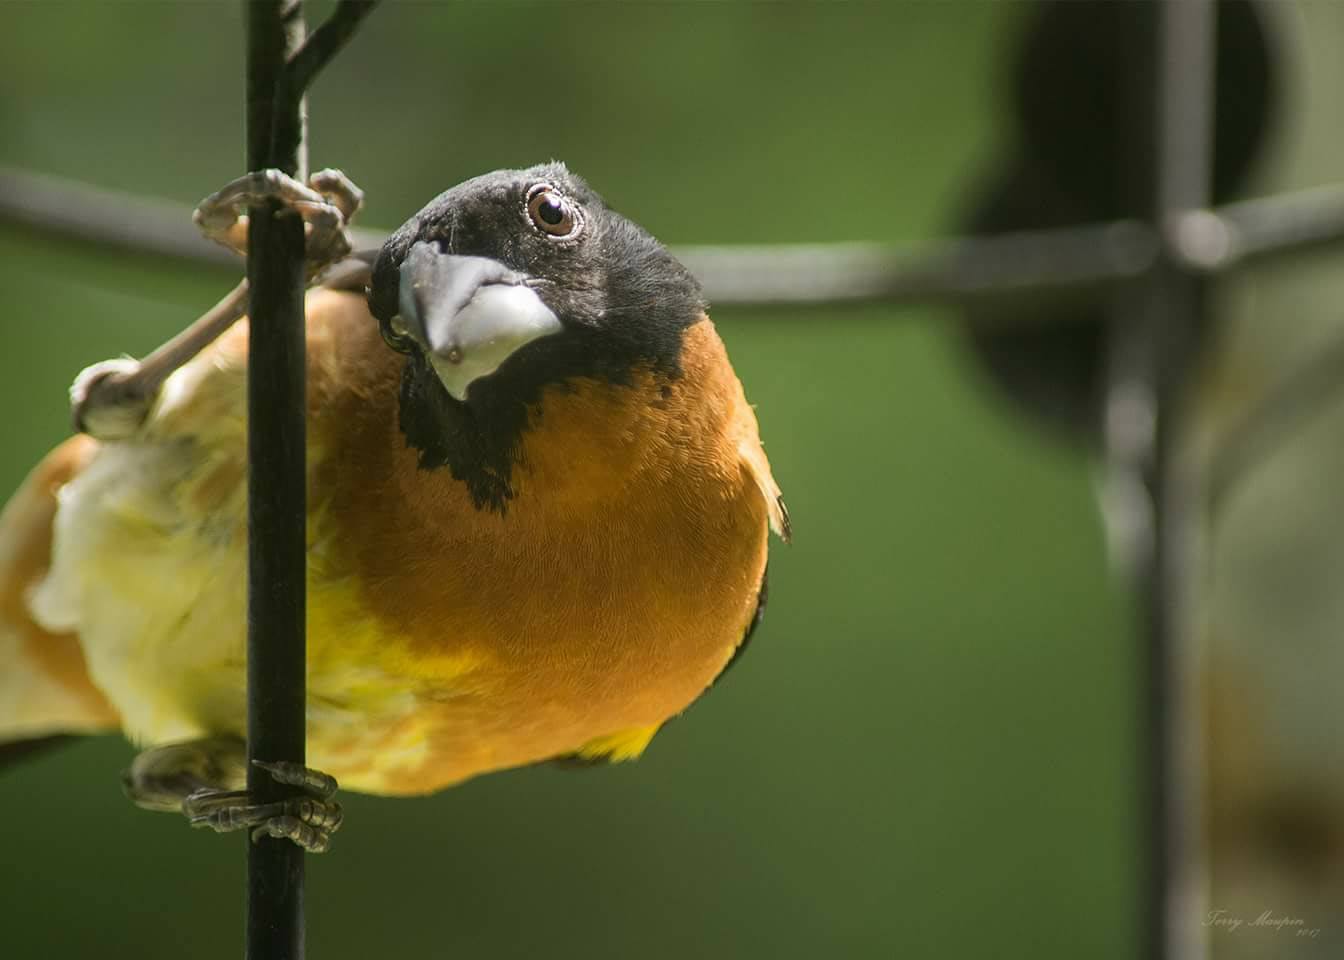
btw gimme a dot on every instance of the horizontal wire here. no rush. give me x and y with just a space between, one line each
952 270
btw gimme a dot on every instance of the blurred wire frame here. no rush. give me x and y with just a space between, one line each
1028 263
1155 273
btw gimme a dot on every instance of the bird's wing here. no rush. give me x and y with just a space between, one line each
44 681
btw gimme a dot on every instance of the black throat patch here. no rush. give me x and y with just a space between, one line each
479 447
480 440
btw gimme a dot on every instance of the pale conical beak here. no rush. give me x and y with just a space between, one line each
470 314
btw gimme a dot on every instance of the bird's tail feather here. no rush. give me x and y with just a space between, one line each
44 682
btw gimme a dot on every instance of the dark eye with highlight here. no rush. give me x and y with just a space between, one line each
395 335
551 212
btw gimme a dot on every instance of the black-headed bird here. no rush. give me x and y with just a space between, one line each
537 525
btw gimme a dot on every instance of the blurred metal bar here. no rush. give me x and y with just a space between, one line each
71 210
1271 227
1011 264
1175 324
1015 264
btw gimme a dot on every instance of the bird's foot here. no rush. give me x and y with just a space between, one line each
308 820
204 780
327 204
109 400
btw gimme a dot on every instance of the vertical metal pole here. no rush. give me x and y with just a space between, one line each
1155 340
276 478
1186 71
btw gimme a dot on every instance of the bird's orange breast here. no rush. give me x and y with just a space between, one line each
602 601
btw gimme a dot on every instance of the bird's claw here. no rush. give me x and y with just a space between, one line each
308 820
314 782
327 204
108 400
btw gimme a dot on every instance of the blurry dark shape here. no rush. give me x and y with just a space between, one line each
1299 829
1082 155
18 751
1274 819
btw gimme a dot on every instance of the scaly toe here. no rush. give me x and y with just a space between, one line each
310 838
326 206
319 784
308 821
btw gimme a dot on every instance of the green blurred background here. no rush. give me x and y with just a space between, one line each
929 751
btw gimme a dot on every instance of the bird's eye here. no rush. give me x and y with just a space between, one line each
395 335
551 212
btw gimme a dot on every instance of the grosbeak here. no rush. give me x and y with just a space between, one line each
537 524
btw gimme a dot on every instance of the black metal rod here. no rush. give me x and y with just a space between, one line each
326 41
276 480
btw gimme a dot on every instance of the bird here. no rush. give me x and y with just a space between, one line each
538 523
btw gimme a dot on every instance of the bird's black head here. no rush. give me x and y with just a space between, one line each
504 285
